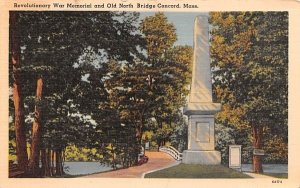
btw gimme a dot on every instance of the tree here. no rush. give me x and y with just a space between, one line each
168 70
51 55
179 138
15 65
147 92
109 80
95 87
36 130
42 52
249 58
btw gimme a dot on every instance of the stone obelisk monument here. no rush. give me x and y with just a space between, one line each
200 109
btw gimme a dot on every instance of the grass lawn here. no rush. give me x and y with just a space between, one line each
197 171
277 175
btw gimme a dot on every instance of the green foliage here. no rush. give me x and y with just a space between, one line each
179 137
12 151
73 153
78 44
277 150
12 154
167 71
224 138
147 93
105 81
159 35
250 71
122 149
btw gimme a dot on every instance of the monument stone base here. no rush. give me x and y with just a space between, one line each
201 157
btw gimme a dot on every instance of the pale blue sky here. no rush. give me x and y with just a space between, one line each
184 23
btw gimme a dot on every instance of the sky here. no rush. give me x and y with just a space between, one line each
183 22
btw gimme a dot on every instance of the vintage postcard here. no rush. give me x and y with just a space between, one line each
149 93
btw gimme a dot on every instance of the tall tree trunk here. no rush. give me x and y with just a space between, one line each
36 131
257 144
21 149
48 163
160 125
52 162
43 160
138 135
58 166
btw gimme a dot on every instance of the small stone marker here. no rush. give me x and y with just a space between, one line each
258 152
147 145
235 156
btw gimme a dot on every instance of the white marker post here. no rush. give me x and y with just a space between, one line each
235 159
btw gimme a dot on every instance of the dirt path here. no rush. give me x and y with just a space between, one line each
157 160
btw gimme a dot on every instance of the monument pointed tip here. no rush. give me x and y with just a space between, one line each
203 14
203 18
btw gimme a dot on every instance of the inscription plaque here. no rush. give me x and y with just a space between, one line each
202 132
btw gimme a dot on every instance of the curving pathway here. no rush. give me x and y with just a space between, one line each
157 160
